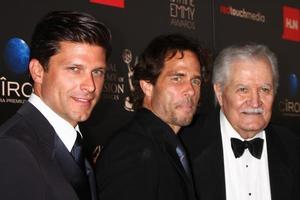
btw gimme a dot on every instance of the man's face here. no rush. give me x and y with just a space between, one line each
71 87
248 96
174 97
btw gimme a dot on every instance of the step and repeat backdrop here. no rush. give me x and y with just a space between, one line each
215 23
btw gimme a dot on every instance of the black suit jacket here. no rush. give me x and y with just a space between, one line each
205 146
140 163
34 163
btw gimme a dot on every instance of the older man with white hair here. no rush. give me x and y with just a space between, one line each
240 155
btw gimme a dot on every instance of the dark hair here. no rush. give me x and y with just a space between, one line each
152 59
72 26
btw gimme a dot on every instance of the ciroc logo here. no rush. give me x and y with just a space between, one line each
16 56
290 106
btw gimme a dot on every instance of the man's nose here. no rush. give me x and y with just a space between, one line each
254 98
88 83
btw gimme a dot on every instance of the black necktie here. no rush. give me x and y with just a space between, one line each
183 159
77 151
254 146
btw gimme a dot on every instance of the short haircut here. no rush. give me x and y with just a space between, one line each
225 59
71 26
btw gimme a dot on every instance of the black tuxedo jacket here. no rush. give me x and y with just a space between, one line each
139 163
34 163
205 146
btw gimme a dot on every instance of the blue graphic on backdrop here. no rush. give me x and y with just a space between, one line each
293 84
16 55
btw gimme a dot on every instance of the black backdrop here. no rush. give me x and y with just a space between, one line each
134 23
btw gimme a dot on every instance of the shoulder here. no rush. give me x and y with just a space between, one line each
18 129
129 143
285 134
202 133
279 137
21 175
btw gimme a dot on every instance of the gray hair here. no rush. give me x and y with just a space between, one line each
225 59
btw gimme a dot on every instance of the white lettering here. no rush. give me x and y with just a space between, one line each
291 24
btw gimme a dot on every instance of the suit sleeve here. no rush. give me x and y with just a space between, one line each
127 169
19 172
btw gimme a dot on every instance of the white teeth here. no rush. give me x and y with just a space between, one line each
253 111
83 100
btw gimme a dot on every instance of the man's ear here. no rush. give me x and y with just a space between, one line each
218 93
36 70
147 87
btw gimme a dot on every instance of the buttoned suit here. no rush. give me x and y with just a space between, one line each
205 146
35 164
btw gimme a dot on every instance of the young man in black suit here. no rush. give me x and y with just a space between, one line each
40 150
238 154
146 160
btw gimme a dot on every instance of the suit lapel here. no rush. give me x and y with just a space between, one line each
208 161
64 169
91 179
209 173
69 167
45 135
157 129
279 169
174 159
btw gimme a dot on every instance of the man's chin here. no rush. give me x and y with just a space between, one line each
185 121
82 117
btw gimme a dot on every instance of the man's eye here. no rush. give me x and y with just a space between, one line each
75 69
99 72
176 78
266 90
242 89
196 81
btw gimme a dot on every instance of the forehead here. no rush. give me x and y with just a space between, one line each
251 71
181 61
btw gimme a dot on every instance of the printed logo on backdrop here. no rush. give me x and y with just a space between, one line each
16 57
289 106
114 86
291 24
114 3
242 13
182 14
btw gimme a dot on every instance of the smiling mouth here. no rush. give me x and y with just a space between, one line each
253 111
83 100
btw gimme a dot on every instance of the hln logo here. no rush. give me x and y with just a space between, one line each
291 19
292 24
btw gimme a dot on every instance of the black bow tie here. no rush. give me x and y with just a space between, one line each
254 146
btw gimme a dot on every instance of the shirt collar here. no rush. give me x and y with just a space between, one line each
65 131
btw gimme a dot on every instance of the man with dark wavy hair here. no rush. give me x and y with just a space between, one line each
40 146
146 160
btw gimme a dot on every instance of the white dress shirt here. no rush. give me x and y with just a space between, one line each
246 177
65 131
